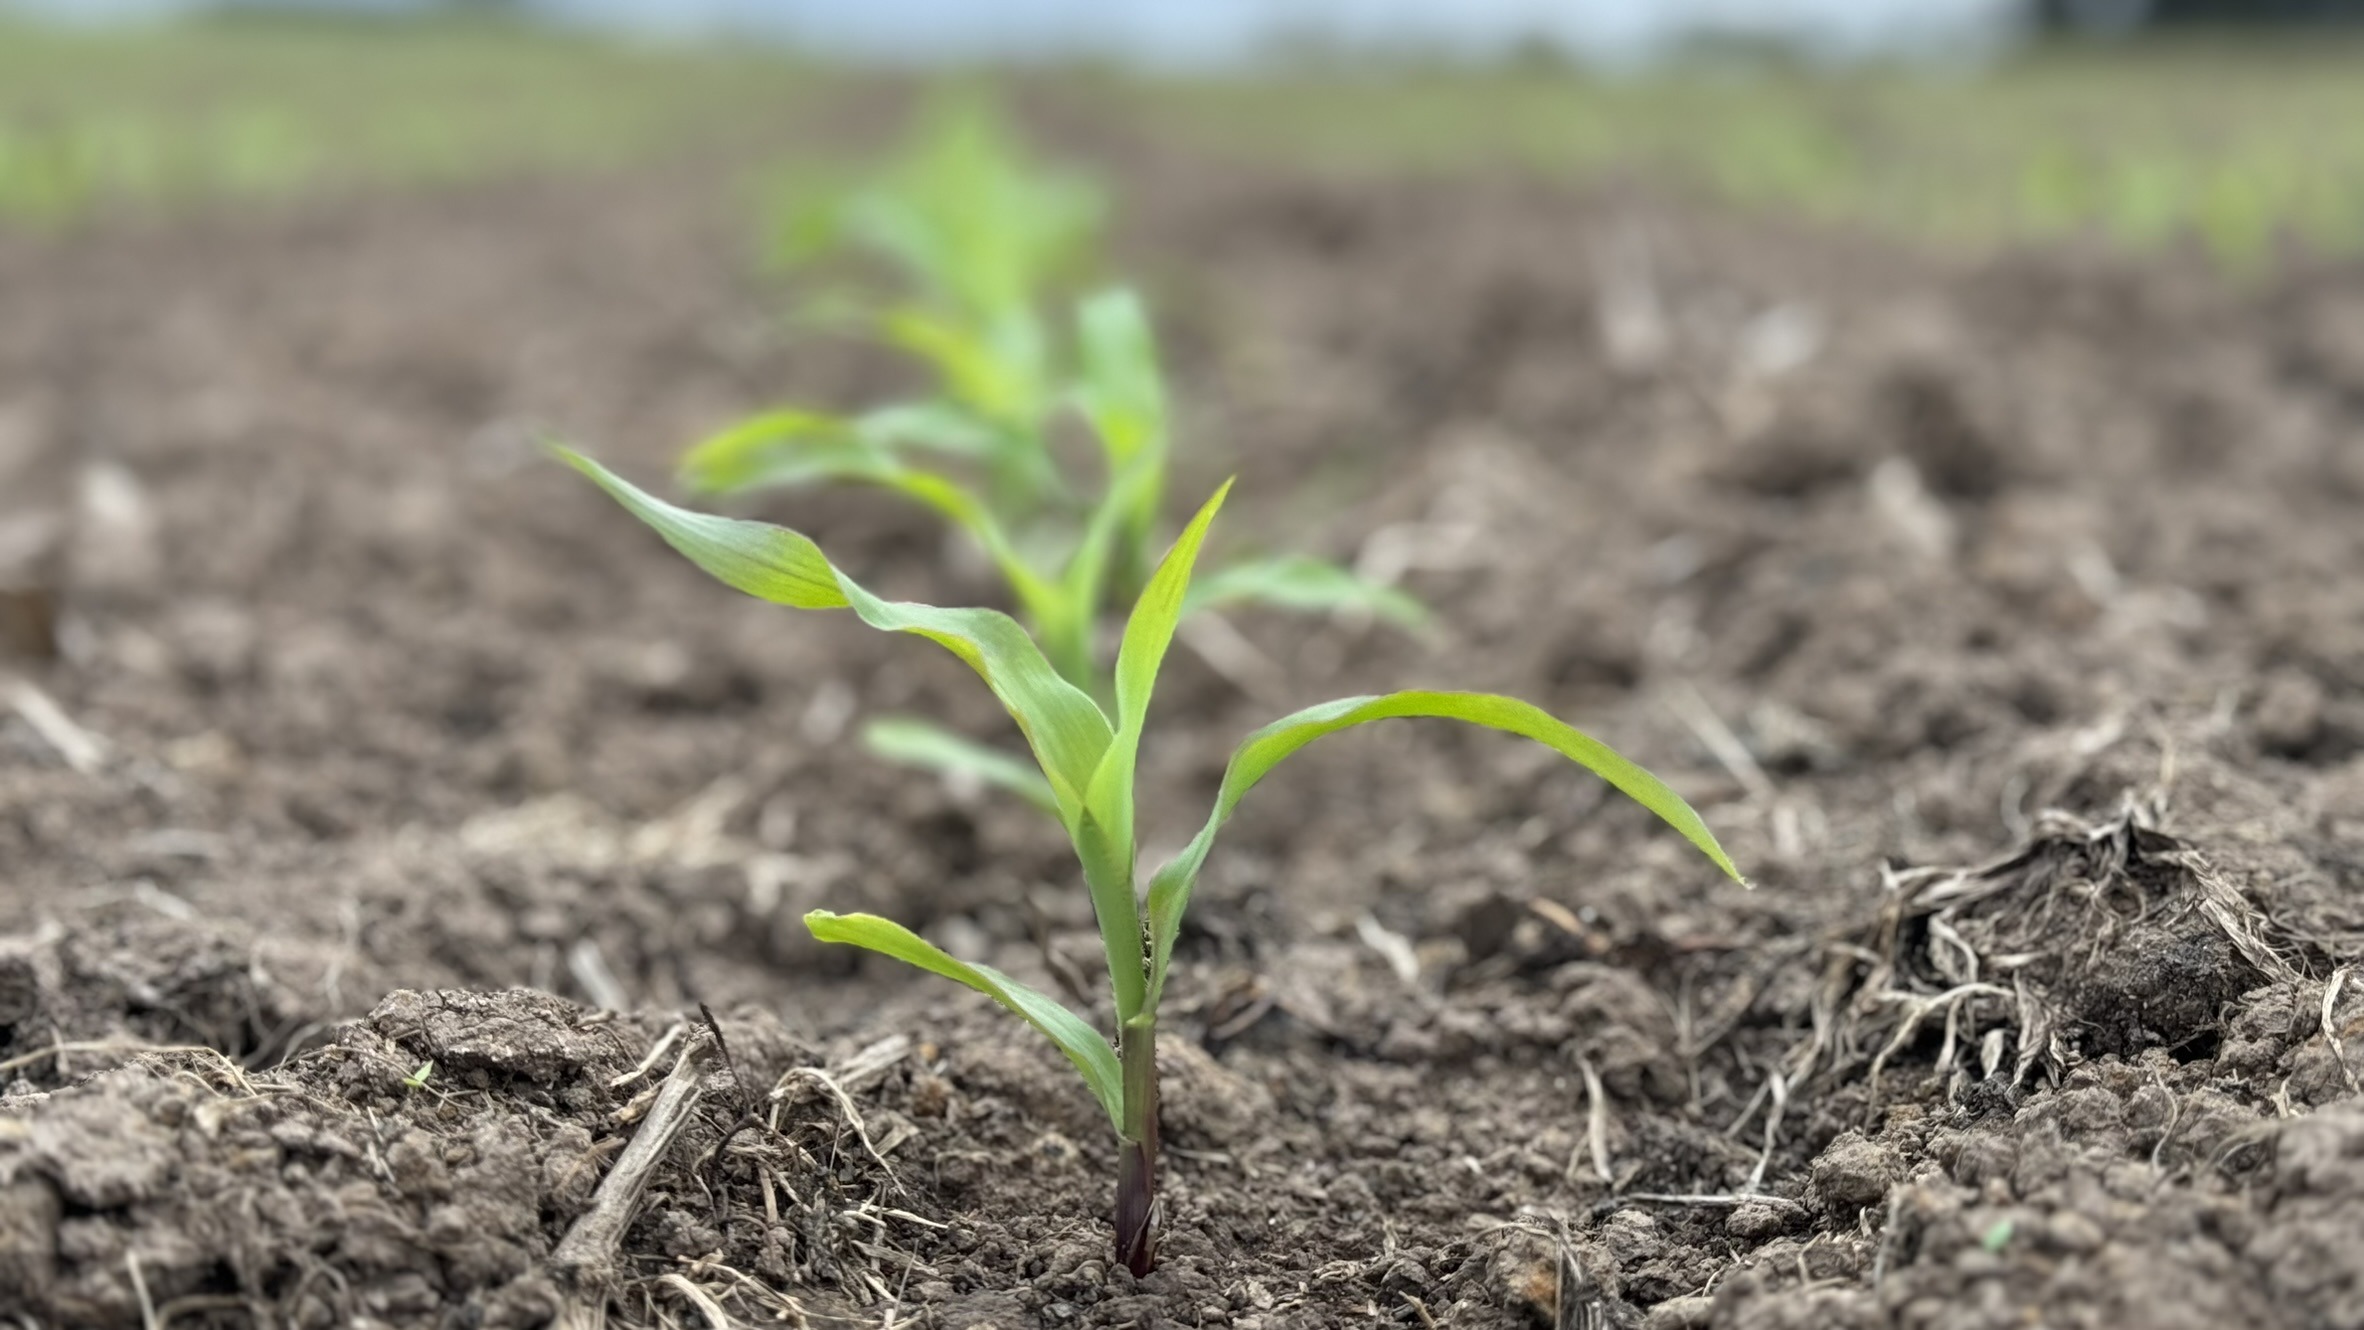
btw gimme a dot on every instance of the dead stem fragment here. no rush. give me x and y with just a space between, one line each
587 1253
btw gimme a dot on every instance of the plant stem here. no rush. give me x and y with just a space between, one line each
1136 1170
1108 872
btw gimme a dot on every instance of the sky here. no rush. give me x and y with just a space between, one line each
1216 32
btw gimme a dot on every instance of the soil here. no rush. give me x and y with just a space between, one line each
397 802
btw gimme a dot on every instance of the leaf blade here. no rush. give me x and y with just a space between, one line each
791 446
763 449
1062 724
1266 748
768 562
817 448
1122 392
1149 632
919 743
1303 583
1108 801
1122 396
1074 1036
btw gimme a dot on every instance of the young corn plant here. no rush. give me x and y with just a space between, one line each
1085 755
1059 557
978 238
983 241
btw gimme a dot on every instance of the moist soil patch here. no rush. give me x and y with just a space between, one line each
392 804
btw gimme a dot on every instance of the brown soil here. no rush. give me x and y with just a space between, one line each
2001 616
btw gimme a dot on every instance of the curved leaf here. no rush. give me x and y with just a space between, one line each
1301 582
1070 635
1105 837
1075 1037
1148 633
1122 393
1260 752
918 743
766 449
803 449
768 562
1123 396
998 368
936 427
998 226
793 447
1065 728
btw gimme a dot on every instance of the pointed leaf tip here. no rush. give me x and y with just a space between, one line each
1260 752
1075 1037
1064 727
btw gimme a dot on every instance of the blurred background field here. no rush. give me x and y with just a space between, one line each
203 110
2239 146
1925 431
1936 126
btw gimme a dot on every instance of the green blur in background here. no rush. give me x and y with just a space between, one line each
2239 150
204 112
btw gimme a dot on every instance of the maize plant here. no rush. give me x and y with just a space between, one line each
981 242
1084 754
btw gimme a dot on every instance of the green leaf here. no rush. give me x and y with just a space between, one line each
1105 838
1303 583
1075 1037
1148 633
1065 728
969 216
937 427
1123 396
768 562
794 447
767 449
807 449
1123 393
1070 636
918 743
1260 752
1070 630
997 369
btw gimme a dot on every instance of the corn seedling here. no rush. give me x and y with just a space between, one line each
978 239
983 240
1084 755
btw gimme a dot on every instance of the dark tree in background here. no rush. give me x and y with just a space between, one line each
2117 16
